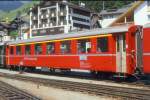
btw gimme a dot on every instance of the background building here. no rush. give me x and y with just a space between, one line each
142 13
56 17
110 15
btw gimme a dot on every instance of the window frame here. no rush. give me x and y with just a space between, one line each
35 49
20 52
26 49
63 42
53 43
11 52
86 51
104 50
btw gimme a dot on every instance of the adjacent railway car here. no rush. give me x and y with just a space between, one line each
146 49
110 50
2 54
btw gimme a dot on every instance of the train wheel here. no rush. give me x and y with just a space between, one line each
94 74
66 71
52 70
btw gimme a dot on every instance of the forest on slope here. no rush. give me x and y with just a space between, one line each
97 5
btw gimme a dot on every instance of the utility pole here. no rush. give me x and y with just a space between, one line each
103 5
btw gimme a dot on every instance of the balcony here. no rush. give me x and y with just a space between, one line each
53 14
62 22
34 26
34 17
122 24
148 9
44 16
62 13
52 24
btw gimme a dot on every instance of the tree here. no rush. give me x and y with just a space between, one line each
97 6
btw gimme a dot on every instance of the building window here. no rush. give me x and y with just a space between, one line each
148 17
38 49
84 46
65 47
50 48
102 44
148 3
18 50
80 19
11 50
27 50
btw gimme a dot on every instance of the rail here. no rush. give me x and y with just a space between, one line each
8 92
112 91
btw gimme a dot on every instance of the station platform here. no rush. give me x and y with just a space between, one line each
100 82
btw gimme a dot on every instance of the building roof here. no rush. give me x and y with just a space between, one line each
115 29
3 26
116 11
129 12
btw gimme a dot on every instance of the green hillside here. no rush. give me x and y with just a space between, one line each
97 5
12 14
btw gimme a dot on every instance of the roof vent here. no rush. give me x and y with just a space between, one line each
81 4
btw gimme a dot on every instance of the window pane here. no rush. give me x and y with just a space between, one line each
124 42
102 44
50 48
27 50
11 50
38 49
118 45
18 50
84 46
1 50
65 47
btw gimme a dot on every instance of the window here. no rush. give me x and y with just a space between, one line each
124 42
50 49
148 17
38 49
102 44
27 50
118 45
11 50
148 3
1 50
18 50
84 46
65 47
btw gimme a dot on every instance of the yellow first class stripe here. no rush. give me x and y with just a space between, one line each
63 39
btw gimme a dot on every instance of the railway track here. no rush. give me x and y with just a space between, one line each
8 92
143 82
112 91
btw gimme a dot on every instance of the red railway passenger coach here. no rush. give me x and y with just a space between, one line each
146 49
107 50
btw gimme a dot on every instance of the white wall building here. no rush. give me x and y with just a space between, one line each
142 14
108 16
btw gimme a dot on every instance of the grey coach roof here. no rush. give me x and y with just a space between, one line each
147 25
98 31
